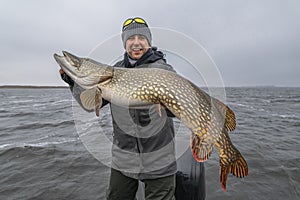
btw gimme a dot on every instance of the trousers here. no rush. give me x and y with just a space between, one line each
122 187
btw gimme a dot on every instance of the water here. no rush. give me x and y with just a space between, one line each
43 157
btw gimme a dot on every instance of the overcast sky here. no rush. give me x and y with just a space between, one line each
251 42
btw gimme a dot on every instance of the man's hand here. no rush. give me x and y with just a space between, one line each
61 71
65 77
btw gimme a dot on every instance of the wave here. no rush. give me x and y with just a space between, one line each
68 101
249 107
36 145
22 101
20 114
38 125
4 111
287 116
285 100
45 144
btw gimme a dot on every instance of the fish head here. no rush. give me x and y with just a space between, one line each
85 72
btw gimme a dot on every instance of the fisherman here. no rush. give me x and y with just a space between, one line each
143 139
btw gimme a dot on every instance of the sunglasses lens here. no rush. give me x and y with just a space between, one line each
139 20
127 22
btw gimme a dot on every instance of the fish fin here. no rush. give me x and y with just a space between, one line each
230 123
201 148
91 99
238 168
158 109
98 103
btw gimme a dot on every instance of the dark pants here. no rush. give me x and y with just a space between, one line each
190 178
122 187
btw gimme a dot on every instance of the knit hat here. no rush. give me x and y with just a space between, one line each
135 28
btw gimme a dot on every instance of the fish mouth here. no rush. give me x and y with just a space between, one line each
72 65
67 64
59 59
68 60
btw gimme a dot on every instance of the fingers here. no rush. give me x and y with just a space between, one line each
61 71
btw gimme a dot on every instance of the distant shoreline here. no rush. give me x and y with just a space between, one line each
63 87
31 86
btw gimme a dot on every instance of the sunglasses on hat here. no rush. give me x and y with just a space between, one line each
134 20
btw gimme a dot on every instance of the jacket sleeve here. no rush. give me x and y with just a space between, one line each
161 64
77 90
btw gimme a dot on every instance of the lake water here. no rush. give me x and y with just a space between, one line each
45 155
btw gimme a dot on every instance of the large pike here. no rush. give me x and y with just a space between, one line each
208 118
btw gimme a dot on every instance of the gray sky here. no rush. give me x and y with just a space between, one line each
252 42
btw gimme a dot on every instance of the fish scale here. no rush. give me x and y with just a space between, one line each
208 118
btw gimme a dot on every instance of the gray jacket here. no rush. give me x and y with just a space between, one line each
143 142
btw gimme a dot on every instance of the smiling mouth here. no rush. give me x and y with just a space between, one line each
137 49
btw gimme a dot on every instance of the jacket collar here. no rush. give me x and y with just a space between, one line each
151 56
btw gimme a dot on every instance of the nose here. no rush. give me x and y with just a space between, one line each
136 40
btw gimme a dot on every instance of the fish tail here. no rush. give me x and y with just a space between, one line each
201 148
238 168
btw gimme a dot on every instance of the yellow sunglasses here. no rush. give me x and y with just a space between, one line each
132 20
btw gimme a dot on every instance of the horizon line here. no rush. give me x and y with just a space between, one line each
66 86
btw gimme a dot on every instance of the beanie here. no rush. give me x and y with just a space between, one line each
136 28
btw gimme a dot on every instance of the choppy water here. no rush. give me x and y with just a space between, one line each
42 156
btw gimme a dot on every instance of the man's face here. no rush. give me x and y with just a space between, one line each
136 46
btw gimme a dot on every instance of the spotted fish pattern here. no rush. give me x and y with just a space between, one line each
208 118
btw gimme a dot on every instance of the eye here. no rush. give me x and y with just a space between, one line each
141 37
131 38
